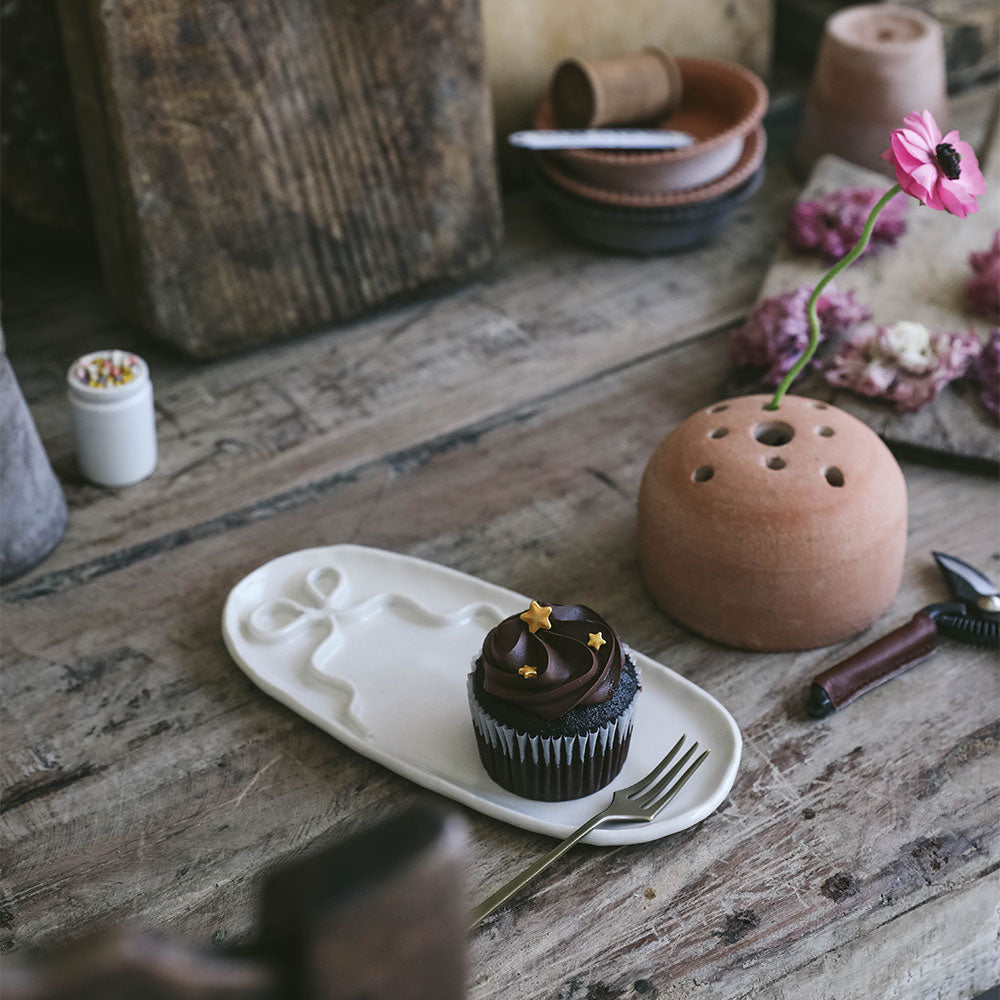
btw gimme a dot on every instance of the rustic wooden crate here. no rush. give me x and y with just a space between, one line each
261 170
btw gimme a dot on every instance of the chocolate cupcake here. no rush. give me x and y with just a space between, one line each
553 698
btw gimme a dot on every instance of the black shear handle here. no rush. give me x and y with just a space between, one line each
891 655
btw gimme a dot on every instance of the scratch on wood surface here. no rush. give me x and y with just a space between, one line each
791 794
413 320
195 463
171 418
253 781
368 511
299 413
603 477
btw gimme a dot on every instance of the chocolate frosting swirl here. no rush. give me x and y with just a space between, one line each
569 672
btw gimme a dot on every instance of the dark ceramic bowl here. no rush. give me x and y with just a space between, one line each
644 231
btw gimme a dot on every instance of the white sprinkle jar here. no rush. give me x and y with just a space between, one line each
111 401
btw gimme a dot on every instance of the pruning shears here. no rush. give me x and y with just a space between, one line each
972 616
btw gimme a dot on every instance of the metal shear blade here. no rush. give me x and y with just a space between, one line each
965 581
974 616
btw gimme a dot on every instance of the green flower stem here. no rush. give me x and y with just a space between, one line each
841 265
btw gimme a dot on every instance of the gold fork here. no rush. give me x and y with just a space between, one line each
639 803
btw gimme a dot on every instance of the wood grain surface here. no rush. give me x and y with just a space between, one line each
260 171
547 317
501 431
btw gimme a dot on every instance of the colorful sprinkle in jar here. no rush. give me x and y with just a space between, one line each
111 400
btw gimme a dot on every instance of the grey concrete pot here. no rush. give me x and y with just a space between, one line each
32 505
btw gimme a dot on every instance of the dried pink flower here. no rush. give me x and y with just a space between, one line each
940 171
982 292
904 363
832 224
987 373
778 331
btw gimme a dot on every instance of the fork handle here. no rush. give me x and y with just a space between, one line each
488 905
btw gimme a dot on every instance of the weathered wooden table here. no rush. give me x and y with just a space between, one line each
501 430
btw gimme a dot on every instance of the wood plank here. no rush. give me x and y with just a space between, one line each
923 279
233 431
150 780
933 941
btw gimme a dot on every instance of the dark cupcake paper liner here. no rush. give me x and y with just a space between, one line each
552 768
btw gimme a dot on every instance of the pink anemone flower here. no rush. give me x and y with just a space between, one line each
939 171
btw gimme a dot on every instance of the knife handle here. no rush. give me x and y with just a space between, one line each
882 660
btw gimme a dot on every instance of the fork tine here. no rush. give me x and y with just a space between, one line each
650 794
617 811
656 806
635 789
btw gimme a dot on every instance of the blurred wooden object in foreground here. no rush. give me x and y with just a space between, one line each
382 915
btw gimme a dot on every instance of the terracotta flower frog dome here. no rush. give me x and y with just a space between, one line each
773 530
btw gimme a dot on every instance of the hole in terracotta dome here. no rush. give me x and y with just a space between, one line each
719 408
774 462
774 433
820 406
825 432
834 476
704 474
719 432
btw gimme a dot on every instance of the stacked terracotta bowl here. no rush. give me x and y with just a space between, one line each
655 201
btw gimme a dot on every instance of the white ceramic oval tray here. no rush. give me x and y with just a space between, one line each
375 647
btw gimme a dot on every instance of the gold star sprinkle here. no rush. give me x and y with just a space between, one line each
527 672
537 616
596 640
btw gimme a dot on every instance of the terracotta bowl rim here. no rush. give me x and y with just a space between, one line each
750 159
744 126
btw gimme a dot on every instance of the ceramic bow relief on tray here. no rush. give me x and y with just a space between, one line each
375 647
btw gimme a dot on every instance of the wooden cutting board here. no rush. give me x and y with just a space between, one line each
922 278
263 170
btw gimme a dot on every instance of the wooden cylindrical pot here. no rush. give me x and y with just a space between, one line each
773 530
635 87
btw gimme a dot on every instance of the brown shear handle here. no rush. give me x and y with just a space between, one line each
873 665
